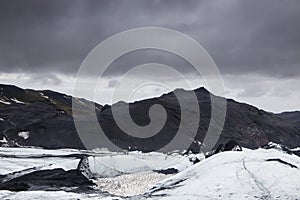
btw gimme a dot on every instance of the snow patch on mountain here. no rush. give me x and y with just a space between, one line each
3 140
295 149
44 96
4 102
17 101
24 134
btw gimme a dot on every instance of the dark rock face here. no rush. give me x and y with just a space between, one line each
229 146
232 145
16 187
49 179
278 147
291 116
194 160
167 171
281 147
47 116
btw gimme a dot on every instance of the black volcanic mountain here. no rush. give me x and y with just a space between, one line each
44 118
46 115
291 116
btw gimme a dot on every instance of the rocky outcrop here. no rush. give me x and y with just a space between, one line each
281 147
291 116
50 179
229 146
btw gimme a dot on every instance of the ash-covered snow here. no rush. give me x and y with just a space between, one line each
26 151
14 160
12 165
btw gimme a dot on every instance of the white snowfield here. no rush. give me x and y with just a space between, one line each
26 151
250 174
236 175
30 158
133 162
52 195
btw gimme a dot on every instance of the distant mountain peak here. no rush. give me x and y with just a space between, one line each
202 89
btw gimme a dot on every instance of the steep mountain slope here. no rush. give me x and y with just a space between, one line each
291 116
257 127
44 118
37 118
247 125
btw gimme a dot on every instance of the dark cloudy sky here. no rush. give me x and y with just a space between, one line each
255 44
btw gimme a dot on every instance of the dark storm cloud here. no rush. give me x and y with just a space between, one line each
258 36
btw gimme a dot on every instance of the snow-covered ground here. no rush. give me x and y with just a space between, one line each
236 175
249 174
52 195
130 184
102 163
133 162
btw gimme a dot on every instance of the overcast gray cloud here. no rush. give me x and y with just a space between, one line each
50 38
242 36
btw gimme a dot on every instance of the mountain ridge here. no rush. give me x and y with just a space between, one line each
47 116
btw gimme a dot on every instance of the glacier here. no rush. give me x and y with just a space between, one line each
248 174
